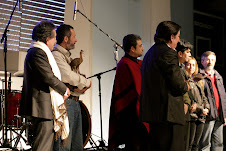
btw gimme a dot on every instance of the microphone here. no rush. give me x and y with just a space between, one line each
20 4
75 10
116 55
116 52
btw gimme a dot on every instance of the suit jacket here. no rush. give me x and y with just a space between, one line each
38 77
162 86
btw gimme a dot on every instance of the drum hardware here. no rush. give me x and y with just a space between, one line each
18 139
15 127
98 75
2 108
16 118
13 118
24 128
19 73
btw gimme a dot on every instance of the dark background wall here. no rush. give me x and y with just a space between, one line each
203 24
212 19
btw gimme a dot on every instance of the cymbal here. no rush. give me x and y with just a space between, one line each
19 73
3 73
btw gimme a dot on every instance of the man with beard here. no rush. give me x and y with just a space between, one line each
212 137
66 39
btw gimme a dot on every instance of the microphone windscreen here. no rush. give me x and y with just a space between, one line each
75 10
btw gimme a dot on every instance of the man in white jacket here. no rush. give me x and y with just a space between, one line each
66 39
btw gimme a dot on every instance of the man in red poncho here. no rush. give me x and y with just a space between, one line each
124 125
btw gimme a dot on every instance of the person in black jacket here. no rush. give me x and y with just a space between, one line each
162 90
38 79
184 53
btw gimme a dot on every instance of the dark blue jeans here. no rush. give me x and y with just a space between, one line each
75 123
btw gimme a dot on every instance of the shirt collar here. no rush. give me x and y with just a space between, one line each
170 47
131 58
63 50
211 73
182 66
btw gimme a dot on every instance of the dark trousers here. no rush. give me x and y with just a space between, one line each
130 131
195 135
43 134
187 131
166 137
187 135
137 138
133 132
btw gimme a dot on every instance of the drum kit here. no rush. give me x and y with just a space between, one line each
17 127
13 129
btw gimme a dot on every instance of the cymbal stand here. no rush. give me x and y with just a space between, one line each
98 75
25 127
2 110
4 39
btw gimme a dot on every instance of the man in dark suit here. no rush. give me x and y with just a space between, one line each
38 79
162 89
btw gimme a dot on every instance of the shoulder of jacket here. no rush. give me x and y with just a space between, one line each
56 52
38 51
217 74
201 84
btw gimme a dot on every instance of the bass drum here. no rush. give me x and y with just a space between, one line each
86 123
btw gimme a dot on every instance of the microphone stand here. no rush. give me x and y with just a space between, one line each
4 38
98 75
116 43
